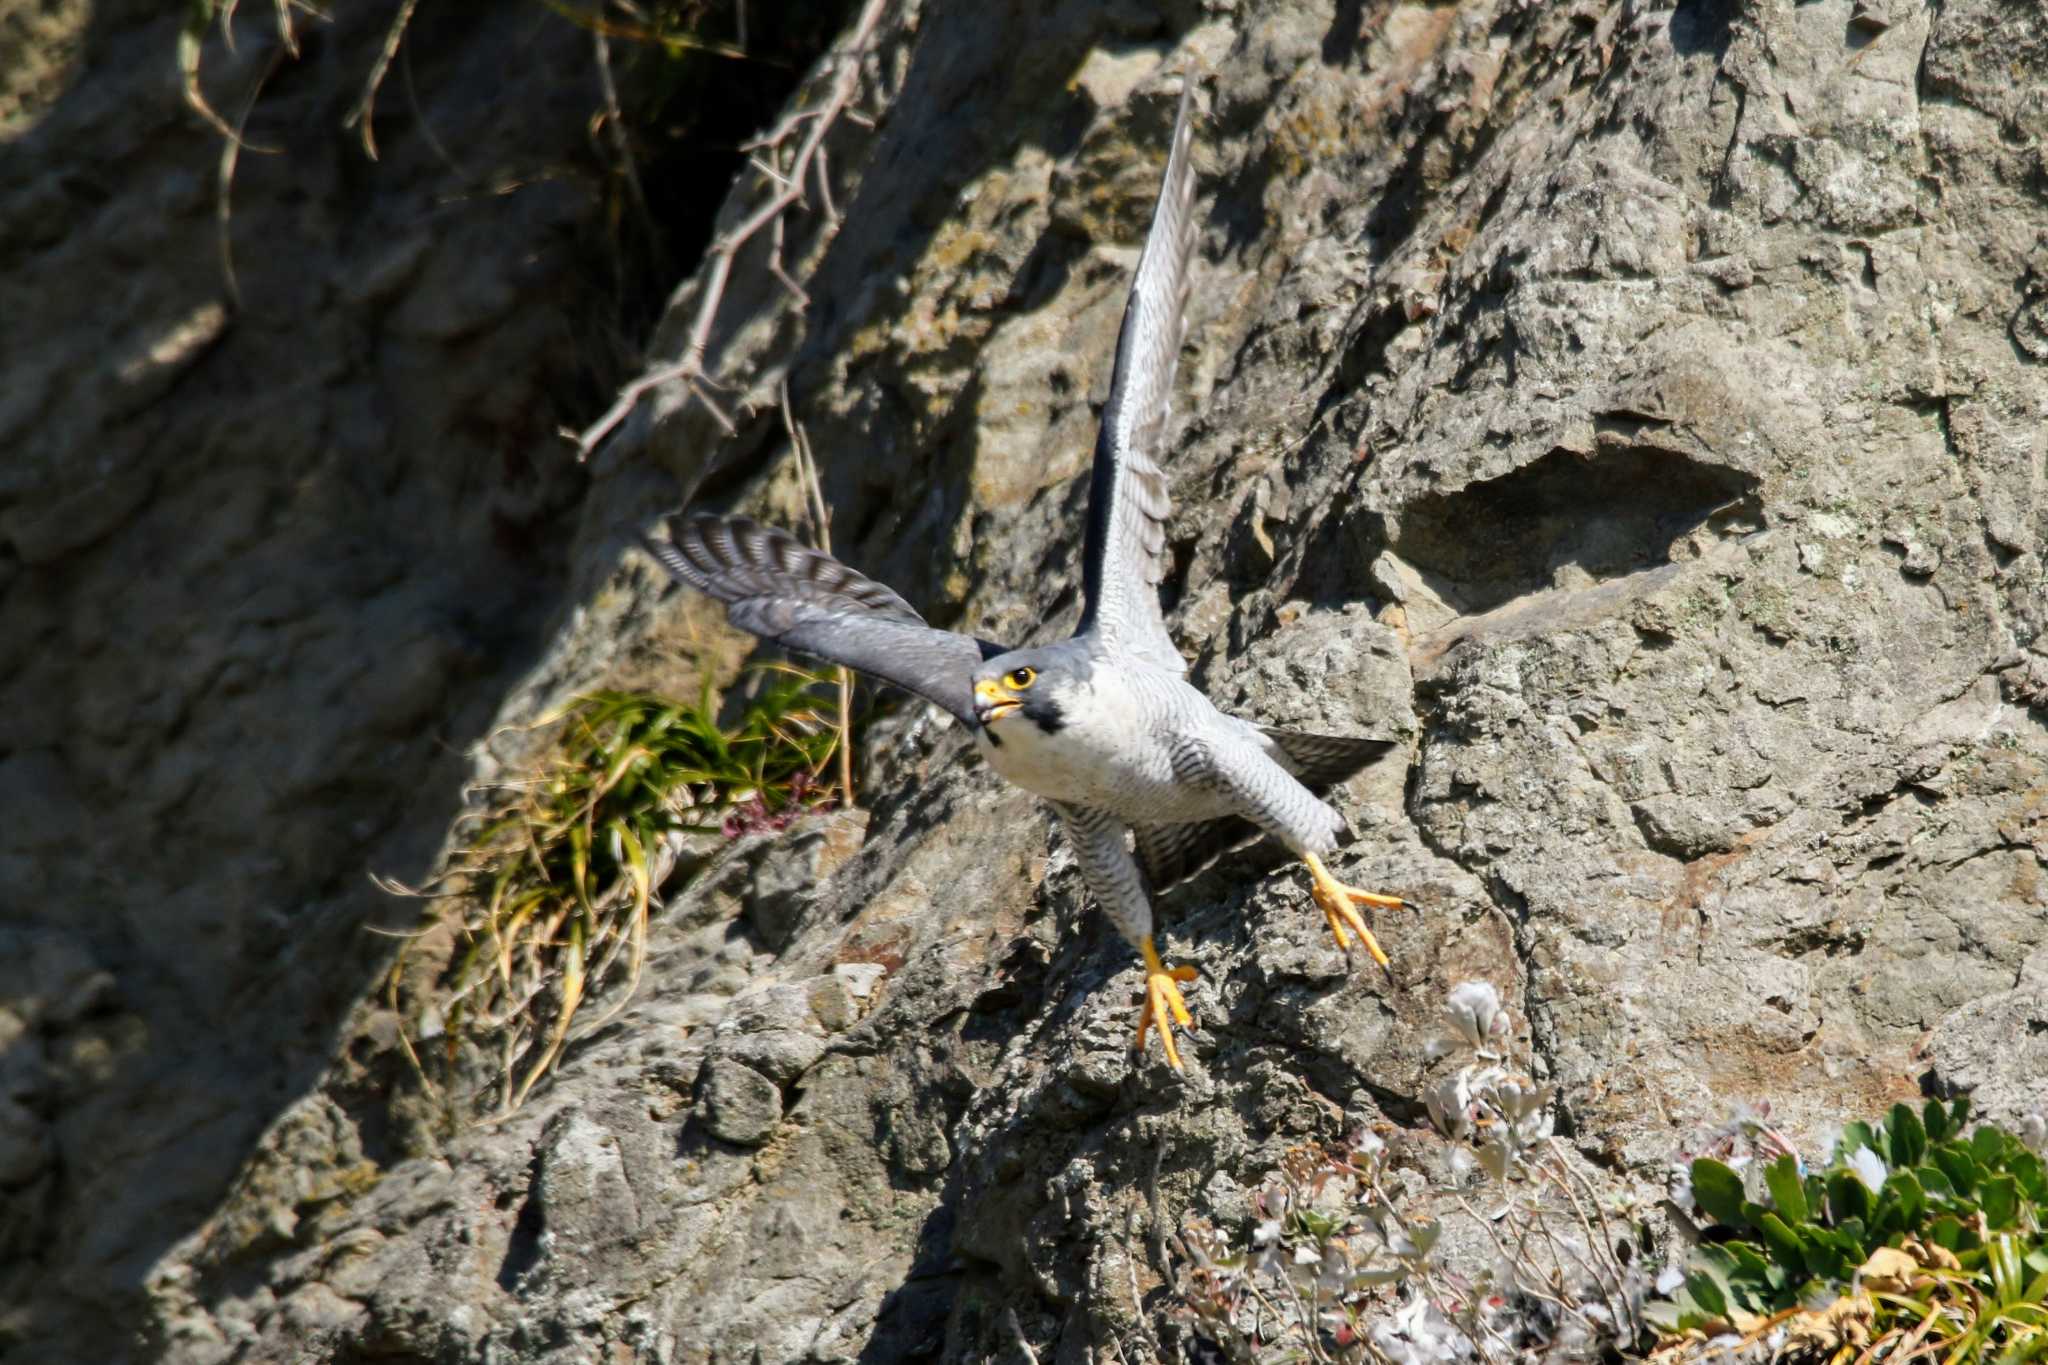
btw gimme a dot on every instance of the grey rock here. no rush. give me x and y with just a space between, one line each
832 1003
776 1031
220 516
740 1104
861 978
1996 1047
780 889
25 1147
47 528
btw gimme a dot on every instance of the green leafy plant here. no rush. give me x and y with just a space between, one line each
548 899
1913 1239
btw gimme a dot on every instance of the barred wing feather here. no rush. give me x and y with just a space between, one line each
780 589
1128 502
1171 853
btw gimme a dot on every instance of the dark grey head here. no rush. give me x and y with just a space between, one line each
1039 685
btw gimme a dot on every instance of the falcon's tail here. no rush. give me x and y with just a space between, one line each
736 560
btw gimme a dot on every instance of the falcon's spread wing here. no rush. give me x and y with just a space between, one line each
777 588
1169 853
1127 495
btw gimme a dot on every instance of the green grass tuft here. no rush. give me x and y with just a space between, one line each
549 897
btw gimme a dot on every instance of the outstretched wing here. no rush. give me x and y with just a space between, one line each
1169 853
1127 496
777 588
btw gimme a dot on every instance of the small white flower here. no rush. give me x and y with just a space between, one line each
1519 1098
1447 1102
1473 1008
1869 1168
1668 1280
1417 1332
1266 1233
1681 1190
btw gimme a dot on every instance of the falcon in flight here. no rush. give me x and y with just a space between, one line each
1149 778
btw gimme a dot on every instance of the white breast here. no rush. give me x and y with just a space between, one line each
1110 754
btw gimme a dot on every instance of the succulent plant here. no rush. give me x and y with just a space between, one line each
1911 1229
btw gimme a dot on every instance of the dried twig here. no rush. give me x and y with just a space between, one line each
614 121
1603 1242
786 191
230 155
821 521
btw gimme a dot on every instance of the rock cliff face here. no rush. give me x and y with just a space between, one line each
266 563
1636 410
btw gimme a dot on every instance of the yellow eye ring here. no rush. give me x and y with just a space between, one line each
1017 679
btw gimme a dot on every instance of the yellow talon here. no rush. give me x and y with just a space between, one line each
1339 902
1163 1005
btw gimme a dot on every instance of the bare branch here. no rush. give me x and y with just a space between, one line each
785 191
781 272
698 385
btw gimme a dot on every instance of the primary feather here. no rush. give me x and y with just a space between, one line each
780 589
1128 503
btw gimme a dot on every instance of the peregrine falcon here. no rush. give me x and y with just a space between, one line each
1150 780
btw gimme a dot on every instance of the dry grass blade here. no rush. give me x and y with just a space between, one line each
191 42
664 35
571 992
367 103
635 939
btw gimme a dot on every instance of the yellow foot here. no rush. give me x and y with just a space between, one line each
1163 1005
1339 903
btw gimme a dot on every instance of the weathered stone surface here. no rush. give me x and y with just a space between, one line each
1996 1047
1633 411
776 891
266 566
740 1103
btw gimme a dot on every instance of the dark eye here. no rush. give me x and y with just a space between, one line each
1021 678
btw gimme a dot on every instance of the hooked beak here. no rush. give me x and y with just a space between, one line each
993 701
